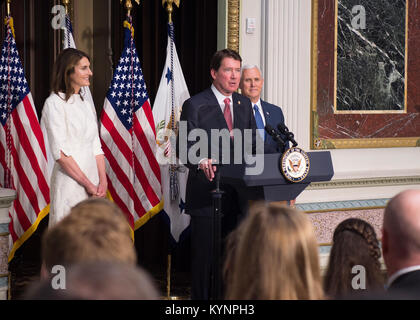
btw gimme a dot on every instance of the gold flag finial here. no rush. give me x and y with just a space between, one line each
169 7
8 7
129 5
66 5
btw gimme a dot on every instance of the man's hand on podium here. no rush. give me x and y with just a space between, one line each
208 168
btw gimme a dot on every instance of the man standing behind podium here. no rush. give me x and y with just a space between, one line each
264 112
218 107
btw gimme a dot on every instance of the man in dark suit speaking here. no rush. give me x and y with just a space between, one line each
218 108
265 113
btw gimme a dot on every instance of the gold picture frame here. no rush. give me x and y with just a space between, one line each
233 24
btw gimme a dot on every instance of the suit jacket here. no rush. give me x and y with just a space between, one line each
203 111
273 116
407 284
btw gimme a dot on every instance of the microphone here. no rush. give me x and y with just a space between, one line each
276 136
289 135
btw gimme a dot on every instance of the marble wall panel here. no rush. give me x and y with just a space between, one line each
327 124
326 222
370 60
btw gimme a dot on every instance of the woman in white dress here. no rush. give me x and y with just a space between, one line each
72 133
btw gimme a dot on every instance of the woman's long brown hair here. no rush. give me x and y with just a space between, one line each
354 243
63 69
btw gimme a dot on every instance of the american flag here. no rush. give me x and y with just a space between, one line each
129 140
23 161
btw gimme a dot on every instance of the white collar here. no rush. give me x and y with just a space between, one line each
259 105
400 272
219 96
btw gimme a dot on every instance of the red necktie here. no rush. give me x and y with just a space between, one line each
227 114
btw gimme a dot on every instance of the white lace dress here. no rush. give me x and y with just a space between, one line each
72 128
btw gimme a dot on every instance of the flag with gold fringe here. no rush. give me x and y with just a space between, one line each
129 140
23 160
171 95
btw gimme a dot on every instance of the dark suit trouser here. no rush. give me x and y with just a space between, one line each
202 246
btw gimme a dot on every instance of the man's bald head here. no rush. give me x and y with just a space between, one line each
402 224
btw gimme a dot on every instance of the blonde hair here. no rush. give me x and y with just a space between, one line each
95 230
274 256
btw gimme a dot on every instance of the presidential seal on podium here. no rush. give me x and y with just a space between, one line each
295 164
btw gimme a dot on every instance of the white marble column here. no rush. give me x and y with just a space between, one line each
286 61
6 198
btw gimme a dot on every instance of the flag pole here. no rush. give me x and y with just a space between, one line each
8 172
8 7
9 282
168 278
129 5
66 5
169 7
169 10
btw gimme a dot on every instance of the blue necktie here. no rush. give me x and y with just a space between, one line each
259 121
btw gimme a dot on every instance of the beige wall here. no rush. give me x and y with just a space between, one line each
92 34
250 43
83 25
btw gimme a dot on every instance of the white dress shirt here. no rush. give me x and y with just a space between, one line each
221 99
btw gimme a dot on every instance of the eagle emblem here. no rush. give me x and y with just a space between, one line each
295 165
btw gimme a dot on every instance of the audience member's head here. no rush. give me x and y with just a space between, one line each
96 281
355 245
401 231
95 230
275 256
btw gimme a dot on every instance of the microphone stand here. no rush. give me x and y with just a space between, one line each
289 135
276 136
216 275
